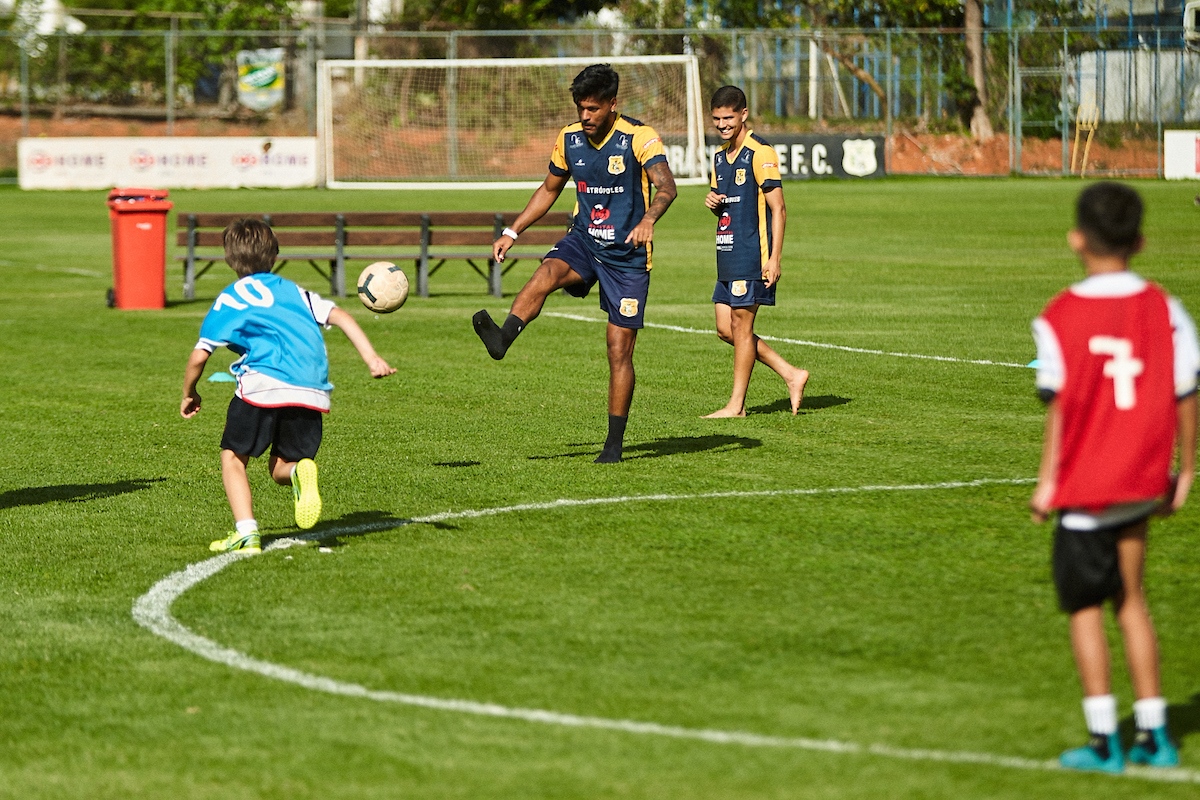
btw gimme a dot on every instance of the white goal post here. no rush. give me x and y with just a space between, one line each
487 123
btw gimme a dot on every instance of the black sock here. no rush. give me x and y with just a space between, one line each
497 338
1099 743
511 329
615 441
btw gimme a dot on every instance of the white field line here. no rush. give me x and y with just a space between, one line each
806 343
153 612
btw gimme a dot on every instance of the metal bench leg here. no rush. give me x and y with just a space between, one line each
495 275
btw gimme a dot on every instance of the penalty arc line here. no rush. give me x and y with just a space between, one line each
807 343
153 612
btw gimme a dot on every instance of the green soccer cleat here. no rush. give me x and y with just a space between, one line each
1100 754
250 544
308 497
1154 749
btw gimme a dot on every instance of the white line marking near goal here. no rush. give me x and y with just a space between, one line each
806 343
153 612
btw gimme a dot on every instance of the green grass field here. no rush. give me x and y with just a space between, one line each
868 638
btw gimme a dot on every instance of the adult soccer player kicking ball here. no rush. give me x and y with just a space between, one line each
1117 362
282 378
747 198
612 159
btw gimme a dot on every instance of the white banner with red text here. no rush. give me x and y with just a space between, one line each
167 162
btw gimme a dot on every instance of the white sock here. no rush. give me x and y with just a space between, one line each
1150 713
245 526
1100 711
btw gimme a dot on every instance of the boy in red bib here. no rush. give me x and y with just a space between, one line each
1117 364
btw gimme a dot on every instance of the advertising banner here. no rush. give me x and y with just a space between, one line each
1181 155
831 155
260 78
176 162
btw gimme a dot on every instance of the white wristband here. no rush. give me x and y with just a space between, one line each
510 233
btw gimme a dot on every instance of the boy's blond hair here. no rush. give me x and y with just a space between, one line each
250 247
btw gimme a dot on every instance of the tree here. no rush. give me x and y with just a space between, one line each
981 125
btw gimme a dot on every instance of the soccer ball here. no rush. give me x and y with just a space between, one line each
383 287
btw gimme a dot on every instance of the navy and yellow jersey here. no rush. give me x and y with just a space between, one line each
744 224
612 190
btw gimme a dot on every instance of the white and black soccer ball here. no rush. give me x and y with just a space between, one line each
383 287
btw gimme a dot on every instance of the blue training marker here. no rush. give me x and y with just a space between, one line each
221 377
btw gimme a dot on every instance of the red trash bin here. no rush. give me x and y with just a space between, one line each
139 234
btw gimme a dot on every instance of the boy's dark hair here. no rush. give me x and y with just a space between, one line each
597 82
729 97
1109 215
250 246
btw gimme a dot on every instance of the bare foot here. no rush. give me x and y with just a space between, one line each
725 412
795 386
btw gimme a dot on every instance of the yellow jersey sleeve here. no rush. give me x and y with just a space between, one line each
558 159
647 146
766 167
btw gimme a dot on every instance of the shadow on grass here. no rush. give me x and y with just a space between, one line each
1183 719
72 492
456 463
349 526
668 446
811 403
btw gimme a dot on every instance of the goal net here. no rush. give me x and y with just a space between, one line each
487 123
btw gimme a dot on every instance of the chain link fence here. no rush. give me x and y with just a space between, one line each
910 86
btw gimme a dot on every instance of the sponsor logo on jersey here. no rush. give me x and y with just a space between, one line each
724 242
725 221
650 142
583 187
616 165
581 163
739 177
623 142
629 306
858 157
738 289
598 230
746 156
769 165
575 140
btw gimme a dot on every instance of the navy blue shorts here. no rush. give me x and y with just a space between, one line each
744 294
622 291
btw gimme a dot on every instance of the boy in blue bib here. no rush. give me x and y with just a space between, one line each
282 377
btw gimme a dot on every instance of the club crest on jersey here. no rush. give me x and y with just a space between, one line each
738 288
739 177
629 306
616 165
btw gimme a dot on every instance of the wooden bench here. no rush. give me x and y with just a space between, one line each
428 240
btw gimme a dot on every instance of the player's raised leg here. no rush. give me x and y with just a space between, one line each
620 342
551 275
